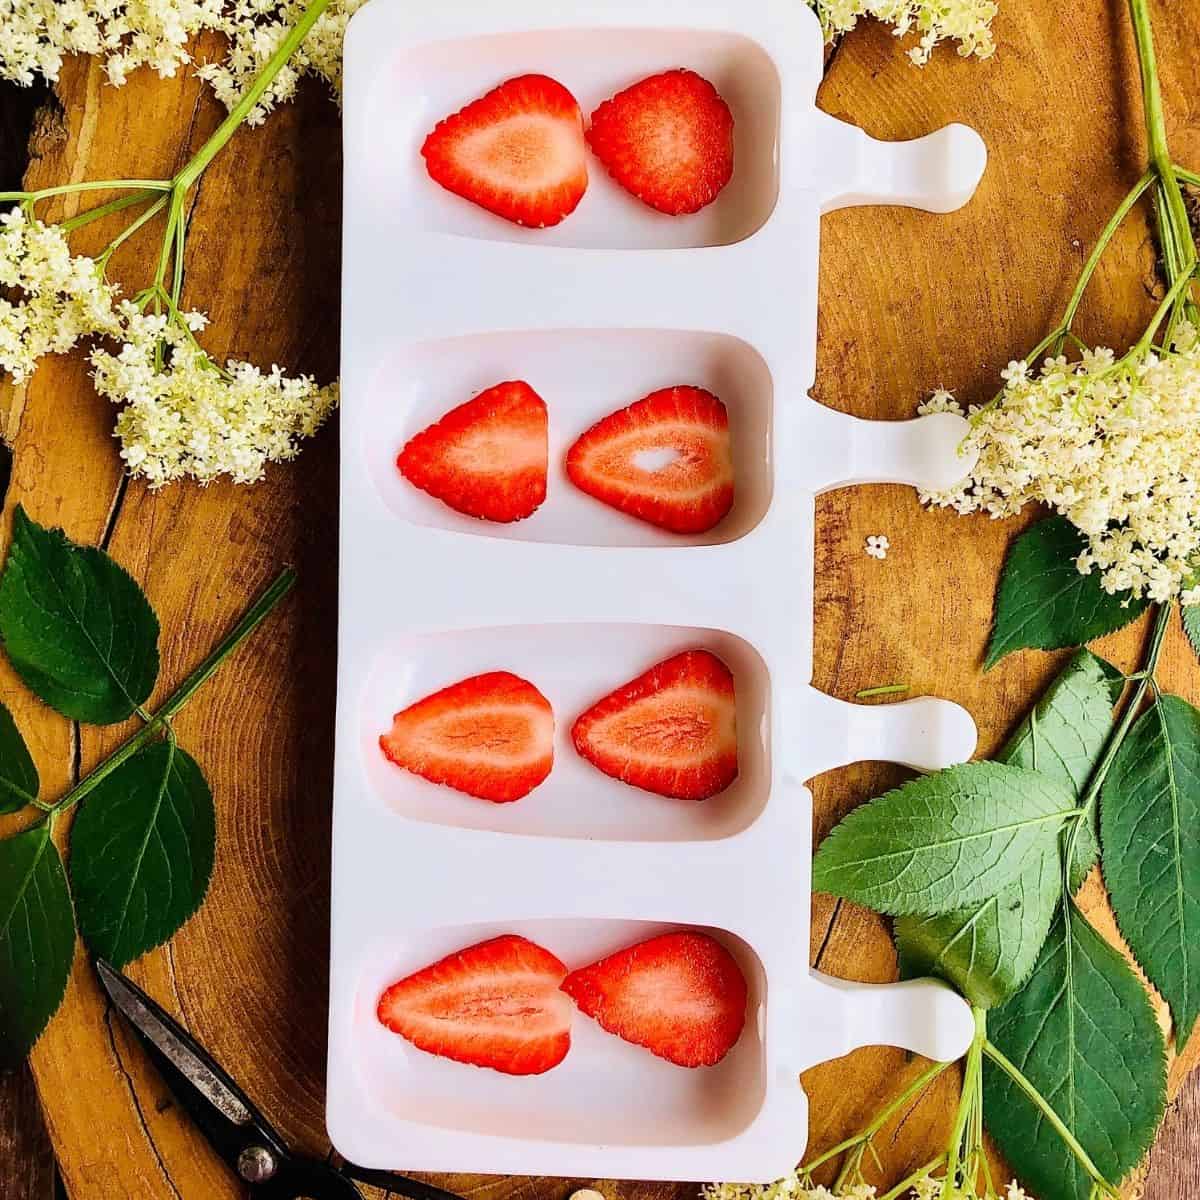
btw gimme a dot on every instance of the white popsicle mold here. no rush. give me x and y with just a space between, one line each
441 300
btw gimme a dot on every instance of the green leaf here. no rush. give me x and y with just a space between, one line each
1191 626
1044 603
18 776
1150 825
986 952
1065 735
142 852
76 627
37 938
944 842
1083 1033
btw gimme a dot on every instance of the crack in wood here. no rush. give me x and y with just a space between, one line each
137 1104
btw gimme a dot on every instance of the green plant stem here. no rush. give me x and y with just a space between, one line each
193 170
966 1104
1072 1143
1145 681
902 1187
882 1117
105 210
98 185
1191 178
888 689
132 228
1177 291
251 619
1115 221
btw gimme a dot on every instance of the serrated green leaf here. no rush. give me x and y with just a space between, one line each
1044 603
944 842
1083 1033
1191 626
1150 827
142 852
986 952
1065 735
37 938
18 776
75 626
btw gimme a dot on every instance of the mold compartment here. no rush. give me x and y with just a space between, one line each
583 375
424 83
606 1091
573 665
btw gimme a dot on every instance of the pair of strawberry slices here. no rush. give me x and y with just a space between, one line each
519 151
670 731
504 1003
665 459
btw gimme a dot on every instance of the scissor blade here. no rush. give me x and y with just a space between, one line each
176 1046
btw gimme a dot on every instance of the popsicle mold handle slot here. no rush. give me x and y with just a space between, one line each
938 172
925 734
921 1015
924 452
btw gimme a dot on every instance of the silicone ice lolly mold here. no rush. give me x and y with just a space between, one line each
440 300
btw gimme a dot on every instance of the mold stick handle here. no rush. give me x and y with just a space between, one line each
938 172
921 1015
924 733
924 452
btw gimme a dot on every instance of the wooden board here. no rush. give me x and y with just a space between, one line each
908 301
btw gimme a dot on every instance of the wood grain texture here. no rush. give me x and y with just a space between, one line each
908 302
26 1156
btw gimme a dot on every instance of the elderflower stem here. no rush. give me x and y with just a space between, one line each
966 1104
881 1118
131 229
1115 221
919 1173
1145 679
1191 178
97 185
1177 290
1072 1143
105 210
251 619
254 93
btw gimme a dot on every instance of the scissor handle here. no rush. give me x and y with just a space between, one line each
308 1179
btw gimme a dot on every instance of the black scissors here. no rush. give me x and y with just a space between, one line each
238 1132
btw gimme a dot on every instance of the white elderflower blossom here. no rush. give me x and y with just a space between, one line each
941 401
49 298
796 1186
878 546
1114 446
183 416
967 22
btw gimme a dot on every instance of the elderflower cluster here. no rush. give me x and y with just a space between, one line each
797 1186
1114 446
182 415
49 298
967 22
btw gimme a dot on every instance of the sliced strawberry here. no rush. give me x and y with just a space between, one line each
665 459
497 1005
491 736
668 140
518 151
681 995
486 458
671 730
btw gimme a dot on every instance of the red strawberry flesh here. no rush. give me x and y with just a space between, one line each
491 736
665 460
671 731
486 458
496 1004
518 151
681 995
667 139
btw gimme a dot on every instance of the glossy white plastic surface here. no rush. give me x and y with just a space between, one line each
441 300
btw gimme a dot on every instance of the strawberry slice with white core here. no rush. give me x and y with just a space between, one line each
519 151
665 460
491 736
668 140
671 731
681 995
496 1004
486 458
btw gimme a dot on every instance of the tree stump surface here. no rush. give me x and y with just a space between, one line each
908 302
